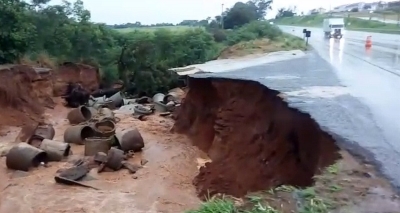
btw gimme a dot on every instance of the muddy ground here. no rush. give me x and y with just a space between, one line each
163 185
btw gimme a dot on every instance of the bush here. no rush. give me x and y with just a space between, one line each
149 55
253 30
219 35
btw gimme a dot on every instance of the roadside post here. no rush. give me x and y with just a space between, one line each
308 35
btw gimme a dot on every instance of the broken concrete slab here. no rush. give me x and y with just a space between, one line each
226 65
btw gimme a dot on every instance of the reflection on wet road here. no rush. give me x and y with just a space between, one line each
384 54
372 75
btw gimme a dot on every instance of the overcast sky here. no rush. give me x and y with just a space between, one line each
174 11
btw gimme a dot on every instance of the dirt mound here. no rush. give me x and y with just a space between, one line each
87 76
23 93
255 141
245 48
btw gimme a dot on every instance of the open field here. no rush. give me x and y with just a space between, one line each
178 28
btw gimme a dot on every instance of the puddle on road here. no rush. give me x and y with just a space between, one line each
281 77
319 92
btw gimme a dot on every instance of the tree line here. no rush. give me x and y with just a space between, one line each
52 34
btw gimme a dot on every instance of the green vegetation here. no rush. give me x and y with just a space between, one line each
35 32
173 28
351 23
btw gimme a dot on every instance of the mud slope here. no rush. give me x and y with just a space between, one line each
23 95
87 76
255 141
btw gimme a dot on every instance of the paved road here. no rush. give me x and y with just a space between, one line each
364 114
372 75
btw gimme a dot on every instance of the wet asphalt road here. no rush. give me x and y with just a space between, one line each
352 93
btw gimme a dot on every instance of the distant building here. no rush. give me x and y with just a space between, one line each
317 11
374 6
362 6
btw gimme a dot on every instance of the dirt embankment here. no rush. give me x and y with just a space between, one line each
23 95
255 141
25 91
87 76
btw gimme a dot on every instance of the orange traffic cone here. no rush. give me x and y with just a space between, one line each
368 42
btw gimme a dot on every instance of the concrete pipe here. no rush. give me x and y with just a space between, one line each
24 156
129 101
141 110
55 150
130 140
45 131
106 114
41 132
100 102
117 99
114 158
93 101
79 115
160 107
78 134
171 96
95 145
159 97
104 128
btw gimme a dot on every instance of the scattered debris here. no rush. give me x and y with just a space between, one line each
130 140
115 158
72 175
24 156
79 115
164 114
55 150
131 167
76 95
143 162
93 126
100 157
93 145
141 110
78 134
104 128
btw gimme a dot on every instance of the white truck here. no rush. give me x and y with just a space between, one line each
333 27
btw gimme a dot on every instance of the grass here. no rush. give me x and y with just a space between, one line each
341 186
309 200
260 46
175 28
386 15
351 23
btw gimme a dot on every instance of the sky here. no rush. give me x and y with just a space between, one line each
174 11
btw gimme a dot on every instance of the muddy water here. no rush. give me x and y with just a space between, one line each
163 185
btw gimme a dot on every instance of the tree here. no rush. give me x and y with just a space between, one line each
243 13
239 15
16 30
285 12
261 7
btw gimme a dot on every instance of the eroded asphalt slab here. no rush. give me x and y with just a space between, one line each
312 86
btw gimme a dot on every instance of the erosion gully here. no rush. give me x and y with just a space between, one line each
245 139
